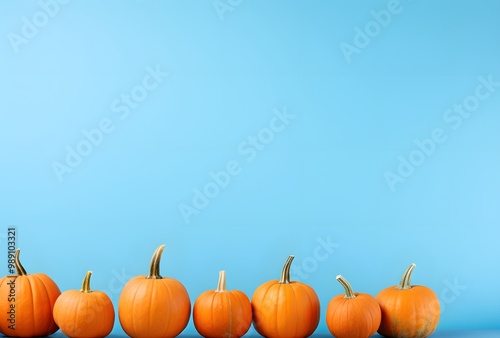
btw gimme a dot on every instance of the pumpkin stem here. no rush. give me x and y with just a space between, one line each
221 286
404 284
285 273
154 268
86 283
17 264
349 294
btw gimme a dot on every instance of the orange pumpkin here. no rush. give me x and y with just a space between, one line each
221 313
408 310
26 303
154 306
284 308
353 315
84 313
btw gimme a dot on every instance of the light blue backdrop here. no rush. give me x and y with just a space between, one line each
358 136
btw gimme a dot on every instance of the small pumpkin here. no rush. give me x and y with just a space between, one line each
26 303
84 313
154 306
408 310
221 313
353 315
284 308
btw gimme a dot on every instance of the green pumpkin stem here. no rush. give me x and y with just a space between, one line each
17 263
349 294
221 286
285 273
86 283
154 268
404 284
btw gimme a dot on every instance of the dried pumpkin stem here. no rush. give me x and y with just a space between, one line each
154 268
349 294
86 283
17 264
404 284
221 286
285 273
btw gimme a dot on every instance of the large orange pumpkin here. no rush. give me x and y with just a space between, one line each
353 315
284 308
221 313
408 311
154 306
26 303
84 313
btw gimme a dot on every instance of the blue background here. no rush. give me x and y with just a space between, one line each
321 179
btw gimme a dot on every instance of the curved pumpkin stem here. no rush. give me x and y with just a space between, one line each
285 273
404 284
86 283
221 286
154 268
349 294
17 263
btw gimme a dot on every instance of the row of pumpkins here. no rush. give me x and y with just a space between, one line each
153 306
